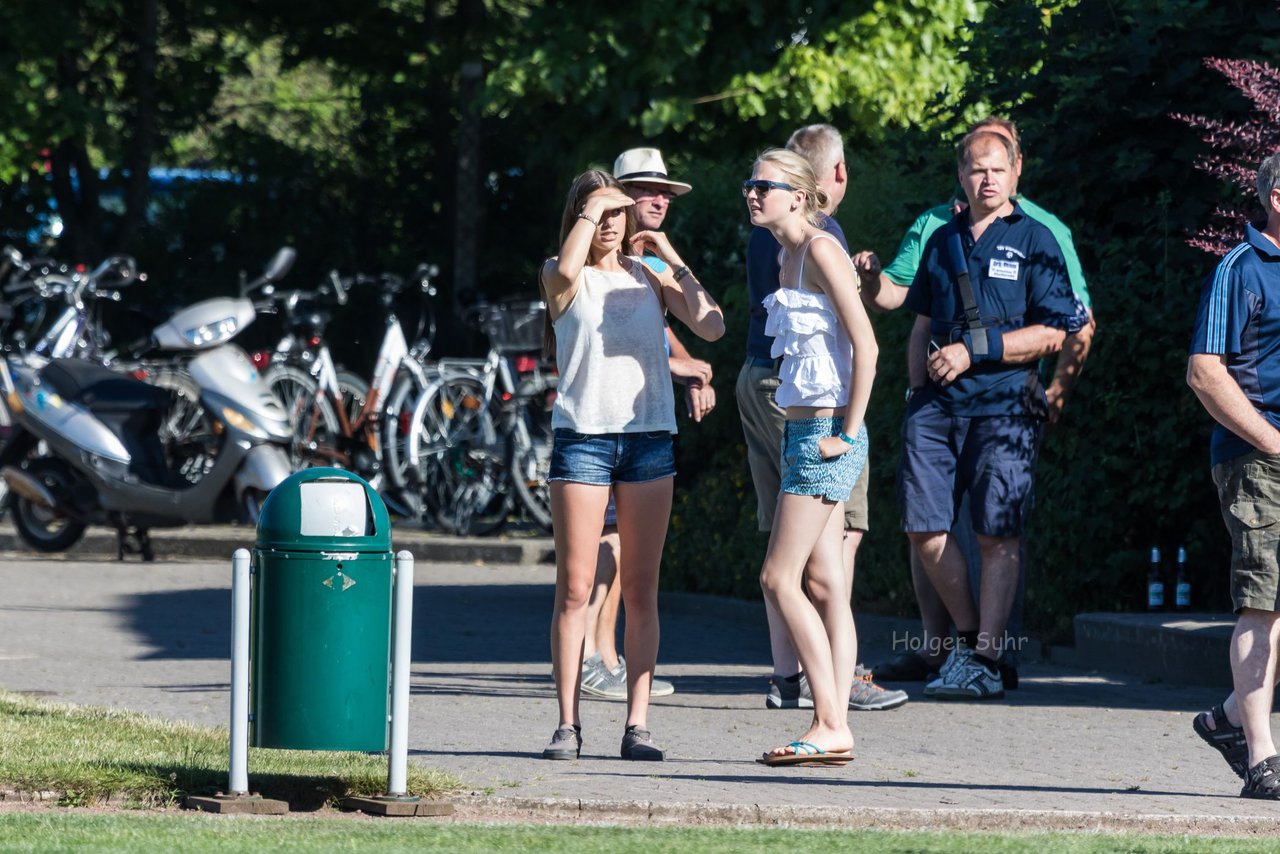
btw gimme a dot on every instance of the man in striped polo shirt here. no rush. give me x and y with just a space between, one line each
1234 369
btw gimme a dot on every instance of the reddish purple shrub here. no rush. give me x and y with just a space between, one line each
1238 147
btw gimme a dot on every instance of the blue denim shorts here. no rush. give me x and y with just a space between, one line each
805 472
991 457
607 458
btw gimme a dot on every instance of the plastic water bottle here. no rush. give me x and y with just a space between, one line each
1155 582
1182 587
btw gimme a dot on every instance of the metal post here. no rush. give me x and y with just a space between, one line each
239 763
400 655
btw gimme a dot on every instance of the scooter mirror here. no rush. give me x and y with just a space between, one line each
280 264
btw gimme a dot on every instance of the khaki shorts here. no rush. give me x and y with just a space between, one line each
1249 492
762 422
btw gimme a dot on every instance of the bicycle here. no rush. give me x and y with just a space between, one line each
483 429
334 425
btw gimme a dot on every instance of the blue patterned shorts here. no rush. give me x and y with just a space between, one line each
805 472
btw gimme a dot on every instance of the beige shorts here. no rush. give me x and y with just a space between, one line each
762 422
1249 493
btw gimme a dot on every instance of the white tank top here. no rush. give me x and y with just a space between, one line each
817 355
614 374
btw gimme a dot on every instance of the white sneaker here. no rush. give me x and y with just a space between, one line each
959 656
970 681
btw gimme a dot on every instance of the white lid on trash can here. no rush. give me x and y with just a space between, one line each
333 508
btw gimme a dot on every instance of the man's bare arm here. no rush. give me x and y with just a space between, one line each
1067 371
1223 398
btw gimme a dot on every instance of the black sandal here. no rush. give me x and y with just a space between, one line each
1263 781
1225 738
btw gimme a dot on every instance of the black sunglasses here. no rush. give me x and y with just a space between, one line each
763 187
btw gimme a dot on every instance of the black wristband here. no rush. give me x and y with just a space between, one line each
681 273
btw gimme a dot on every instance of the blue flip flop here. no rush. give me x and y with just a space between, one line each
807 753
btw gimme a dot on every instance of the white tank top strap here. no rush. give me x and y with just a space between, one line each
804 251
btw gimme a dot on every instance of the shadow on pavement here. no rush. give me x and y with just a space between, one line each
490 626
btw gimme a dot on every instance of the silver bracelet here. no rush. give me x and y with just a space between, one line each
594 222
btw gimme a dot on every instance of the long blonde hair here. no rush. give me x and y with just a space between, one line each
800 174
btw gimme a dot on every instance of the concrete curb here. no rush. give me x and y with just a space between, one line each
484 808
218 542
1189 649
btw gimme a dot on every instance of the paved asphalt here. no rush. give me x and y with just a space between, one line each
1070 748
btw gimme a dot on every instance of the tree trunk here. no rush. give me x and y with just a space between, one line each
467 206
137 187
467 192
75 182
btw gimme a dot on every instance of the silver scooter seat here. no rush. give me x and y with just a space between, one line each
101 389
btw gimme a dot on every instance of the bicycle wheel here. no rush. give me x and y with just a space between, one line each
187 434
461 458
354 391
530 457
397 419
315 423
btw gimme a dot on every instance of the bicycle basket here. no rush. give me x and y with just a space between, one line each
514 327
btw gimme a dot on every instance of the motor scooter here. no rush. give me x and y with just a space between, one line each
86 448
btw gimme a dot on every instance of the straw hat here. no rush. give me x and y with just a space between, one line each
645 166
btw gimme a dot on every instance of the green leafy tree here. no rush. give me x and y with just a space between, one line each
99 85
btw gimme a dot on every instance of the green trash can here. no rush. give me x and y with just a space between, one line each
321 615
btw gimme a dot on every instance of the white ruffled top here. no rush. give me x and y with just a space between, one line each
817 355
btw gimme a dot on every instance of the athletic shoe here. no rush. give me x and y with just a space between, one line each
637 744
600 681
958 656
657 687
566 743
785 694
867 696
970 681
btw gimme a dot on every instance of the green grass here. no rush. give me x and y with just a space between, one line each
83 755
62 831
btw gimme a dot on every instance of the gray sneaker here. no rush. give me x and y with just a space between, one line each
788 695
970 681
566 743
657 688
600 681
637 744
959 656
867 696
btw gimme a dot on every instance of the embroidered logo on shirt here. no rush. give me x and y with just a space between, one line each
1010 251
1001 269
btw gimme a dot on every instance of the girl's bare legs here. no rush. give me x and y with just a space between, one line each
803 526
577 515
602 613
644 509
830 587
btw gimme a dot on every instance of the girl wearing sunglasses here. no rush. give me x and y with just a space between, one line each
828 349
613 419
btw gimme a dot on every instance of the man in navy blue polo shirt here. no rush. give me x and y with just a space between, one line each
1234 369
992 297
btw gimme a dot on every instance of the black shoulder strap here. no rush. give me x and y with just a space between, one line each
960 269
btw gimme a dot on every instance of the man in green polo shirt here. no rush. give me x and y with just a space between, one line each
886 289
